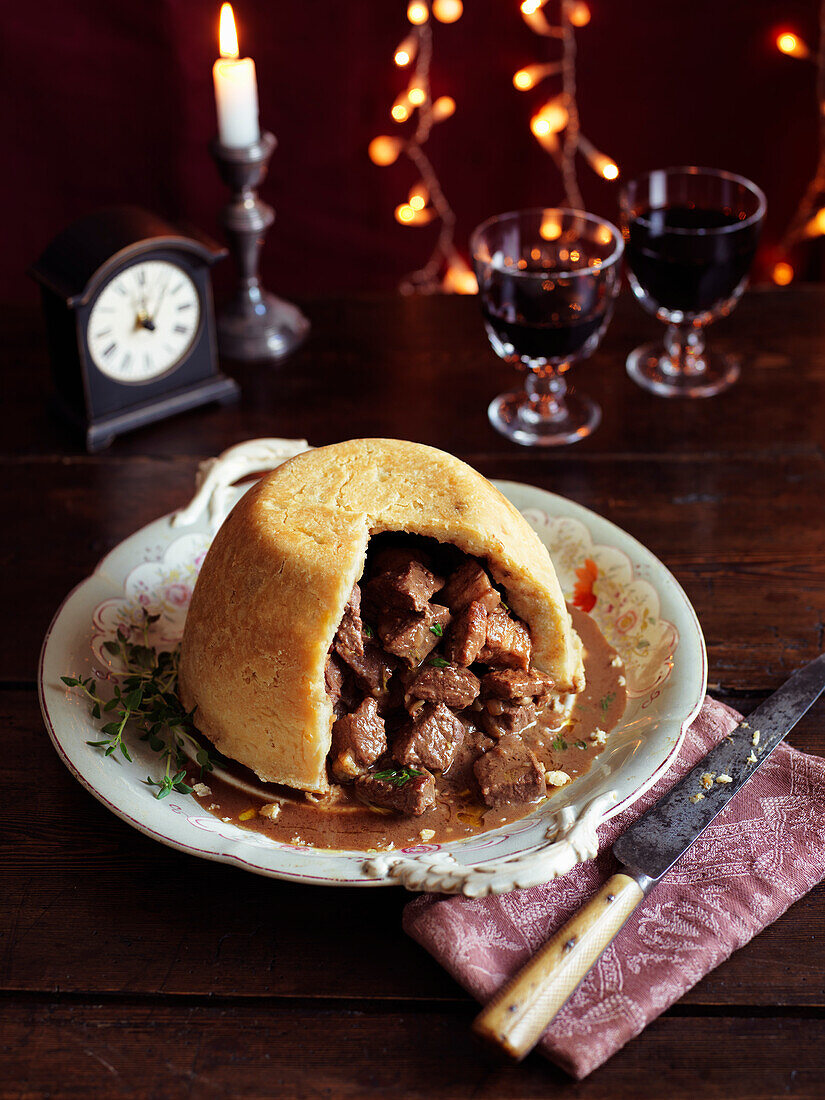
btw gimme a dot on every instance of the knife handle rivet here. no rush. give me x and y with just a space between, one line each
571 943
609 898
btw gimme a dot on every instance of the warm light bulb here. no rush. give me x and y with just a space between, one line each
448 11
408 215
416 95
530 7
419 196
227 32
550 228
400 109
579 15
417 13
384 150
536 20
600 163
792 45
816 226
443 107
458 279
782 273
530 75
406 51
550 119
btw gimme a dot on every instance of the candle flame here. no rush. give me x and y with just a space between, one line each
228 35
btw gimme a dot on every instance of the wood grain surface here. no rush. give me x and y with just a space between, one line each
131 970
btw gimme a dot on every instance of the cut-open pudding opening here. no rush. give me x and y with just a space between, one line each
428 663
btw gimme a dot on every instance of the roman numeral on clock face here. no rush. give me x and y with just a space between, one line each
181 328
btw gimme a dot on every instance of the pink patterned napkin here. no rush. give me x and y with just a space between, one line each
762 854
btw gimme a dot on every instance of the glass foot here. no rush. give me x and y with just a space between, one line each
653 369
516 416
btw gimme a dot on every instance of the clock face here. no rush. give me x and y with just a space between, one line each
143 322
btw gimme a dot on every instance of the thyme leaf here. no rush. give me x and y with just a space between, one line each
399 777
438 630
606 700
145 700
438 662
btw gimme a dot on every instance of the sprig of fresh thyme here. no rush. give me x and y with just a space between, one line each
398 777
145 698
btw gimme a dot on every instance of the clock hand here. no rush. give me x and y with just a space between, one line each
160 300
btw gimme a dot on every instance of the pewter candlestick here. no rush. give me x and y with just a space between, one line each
256 324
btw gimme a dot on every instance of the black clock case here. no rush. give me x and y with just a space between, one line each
72 272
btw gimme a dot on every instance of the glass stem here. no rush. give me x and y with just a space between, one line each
546 390
685 344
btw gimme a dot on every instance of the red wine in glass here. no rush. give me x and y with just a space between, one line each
547 279
691 236
689 272
547 318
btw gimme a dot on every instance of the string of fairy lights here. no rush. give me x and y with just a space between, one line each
554 124
446 269
808 220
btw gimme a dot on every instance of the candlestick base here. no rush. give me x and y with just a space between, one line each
255 325
268 328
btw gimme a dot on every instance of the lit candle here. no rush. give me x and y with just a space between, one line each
236 88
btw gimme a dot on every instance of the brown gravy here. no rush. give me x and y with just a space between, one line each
562 743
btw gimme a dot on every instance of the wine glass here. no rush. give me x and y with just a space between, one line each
691 235
547 280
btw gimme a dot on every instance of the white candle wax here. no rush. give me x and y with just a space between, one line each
236 98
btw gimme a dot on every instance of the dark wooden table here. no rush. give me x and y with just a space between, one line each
128 969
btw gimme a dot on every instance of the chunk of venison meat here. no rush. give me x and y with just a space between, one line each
432 738
504 718
349 638
412 796
358 739
508 642
467 635
510 773
373 670
403 588
413 637
457 687
468 584
515 683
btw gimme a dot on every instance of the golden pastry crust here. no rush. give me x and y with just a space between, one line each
275 582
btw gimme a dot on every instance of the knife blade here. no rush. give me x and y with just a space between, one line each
656 840
518 1014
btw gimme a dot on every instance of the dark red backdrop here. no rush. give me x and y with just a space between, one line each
110 101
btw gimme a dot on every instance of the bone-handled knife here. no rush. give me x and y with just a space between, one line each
518 1014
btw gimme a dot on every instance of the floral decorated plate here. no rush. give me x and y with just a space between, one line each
636 602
